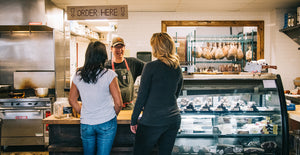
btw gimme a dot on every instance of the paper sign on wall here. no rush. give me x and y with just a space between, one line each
97 12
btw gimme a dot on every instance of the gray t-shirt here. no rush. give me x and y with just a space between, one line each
97 102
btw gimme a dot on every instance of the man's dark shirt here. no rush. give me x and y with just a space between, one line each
135 65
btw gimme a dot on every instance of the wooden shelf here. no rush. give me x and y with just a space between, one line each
295 115
293 33
290 28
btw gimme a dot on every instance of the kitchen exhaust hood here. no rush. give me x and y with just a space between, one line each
25 12
25 28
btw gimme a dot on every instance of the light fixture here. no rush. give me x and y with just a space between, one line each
104 28
111 28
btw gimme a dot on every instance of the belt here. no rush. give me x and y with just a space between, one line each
126 103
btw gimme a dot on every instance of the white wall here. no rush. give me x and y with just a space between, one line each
82 44
280 50
139 27
283 50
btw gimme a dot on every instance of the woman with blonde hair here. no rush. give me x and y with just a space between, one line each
160 86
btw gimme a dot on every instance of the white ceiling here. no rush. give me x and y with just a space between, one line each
186 5
181 6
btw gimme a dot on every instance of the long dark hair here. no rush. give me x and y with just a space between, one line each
95 58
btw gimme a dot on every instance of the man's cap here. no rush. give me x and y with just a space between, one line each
117 41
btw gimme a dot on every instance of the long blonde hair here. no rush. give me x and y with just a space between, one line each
164 49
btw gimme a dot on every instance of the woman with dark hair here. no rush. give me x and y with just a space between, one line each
101 101
160 86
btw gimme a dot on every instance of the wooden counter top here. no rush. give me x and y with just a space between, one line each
124 117
293 98
295 115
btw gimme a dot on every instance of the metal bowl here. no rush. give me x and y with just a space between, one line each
5 88
41 92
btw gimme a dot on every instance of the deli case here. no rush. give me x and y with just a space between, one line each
232 114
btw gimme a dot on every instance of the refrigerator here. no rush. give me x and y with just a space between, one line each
232 114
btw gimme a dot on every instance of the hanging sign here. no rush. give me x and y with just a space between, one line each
97 12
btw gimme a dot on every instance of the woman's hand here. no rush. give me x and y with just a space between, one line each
133 128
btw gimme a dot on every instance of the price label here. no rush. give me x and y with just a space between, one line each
21 117
269 83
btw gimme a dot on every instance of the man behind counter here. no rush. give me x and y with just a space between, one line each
128 69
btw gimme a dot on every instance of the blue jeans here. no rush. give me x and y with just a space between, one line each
98 138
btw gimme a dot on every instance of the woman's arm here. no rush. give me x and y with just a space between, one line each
116 94
179 86
73 97
143 93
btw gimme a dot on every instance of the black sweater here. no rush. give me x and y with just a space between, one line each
159 89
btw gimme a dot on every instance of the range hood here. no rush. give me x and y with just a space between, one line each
29 28
32 48
24 12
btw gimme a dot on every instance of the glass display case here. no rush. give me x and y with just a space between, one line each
232 114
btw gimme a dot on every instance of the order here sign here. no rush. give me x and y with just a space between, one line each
97 12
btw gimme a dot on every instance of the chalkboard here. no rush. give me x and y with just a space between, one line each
67 110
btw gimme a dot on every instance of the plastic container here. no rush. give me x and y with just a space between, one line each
62 108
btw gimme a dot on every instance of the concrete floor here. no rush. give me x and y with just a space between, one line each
24 150
29 150
47 153
24 153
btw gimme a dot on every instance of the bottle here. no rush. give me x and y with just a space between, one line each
298 15
289 19
285 20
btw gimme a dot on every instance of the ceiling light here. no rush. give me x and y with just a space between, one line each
110 28
104 28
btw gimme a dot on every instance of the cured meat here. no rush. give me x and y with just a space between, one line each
224 149
219 53
249 54
232 52
213 51
197 53
253 150
269 146
206 52
240 54
225 49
